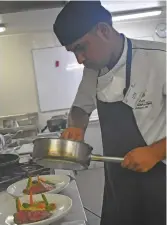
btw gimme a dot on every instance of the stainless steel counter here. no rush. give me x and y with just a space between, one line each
77 214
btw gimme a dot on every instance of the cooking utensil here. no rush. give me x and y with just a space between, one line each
66 154
56 123
8 160
43 129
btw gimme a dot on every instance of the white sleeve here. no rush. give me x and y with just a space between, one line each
164 88
163 68
162 61
160 65
86 95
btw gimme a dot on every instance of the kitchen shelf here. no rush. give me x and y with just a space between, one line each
18 115
15 129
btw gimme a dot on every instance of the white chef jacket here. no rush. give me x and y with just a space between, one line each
147 92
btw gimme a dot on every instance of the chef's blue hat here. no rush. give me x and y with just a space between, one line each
77 18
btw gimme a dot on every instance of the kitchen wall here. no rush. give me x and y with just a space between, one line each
17 82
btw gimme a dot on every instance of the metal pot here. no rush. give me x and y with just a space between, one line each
66 154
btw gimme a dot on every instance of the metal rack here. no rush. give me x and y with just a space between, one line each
28 123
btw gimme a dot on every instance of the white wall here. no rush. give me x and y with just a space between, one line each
17 83
143 28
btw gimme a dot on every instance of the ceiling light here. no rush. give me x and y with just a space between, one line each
2 28
117 6
136 15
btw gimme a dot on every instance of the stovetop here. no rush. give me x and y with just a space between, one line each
20 171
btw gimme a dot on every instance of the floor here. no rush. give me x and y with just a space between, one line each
91 183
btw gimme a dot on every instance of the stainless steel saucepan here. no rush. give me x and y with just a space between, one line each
66 154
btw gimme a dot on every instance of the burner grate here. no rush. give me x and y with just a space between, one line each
20 171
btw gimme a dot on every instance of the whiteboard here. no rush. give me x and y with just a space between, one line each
57 83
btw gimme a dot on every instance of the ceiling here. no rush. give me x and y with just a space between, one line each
39 16
113 6
19 6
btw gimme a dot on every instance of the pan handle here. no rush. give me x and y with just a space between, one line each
101 158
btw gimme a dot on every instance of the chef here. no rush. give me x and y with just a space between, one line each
125 80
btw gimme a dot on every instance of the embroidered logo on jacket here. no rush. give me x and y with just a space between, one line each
143 103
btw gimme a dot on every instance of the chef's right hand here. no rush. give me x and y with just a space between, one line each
73 133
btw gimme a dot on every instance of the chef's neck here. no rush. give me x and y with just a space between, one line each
118 40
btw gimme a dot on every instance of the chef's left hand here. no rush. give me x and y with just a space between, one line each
141 159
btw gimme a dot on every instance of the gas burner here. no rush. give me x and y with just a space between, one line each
8 179
20 171
5 178
33 169
30 167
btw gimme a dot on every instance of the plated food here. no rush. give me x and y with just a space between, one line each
38 185
33 211
41 184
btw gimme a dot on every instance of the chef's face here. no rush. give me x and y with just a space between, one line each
94 50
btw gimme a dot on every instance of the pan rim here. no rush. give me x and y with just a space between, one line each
55 138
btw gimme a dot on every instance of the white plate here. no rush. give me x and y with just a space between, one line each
61 182
63 206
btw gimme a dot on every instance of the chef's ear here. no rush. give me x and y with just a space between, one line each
103 30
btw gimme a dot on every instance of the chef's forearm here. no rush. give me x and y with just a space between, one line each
78 118
159 149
